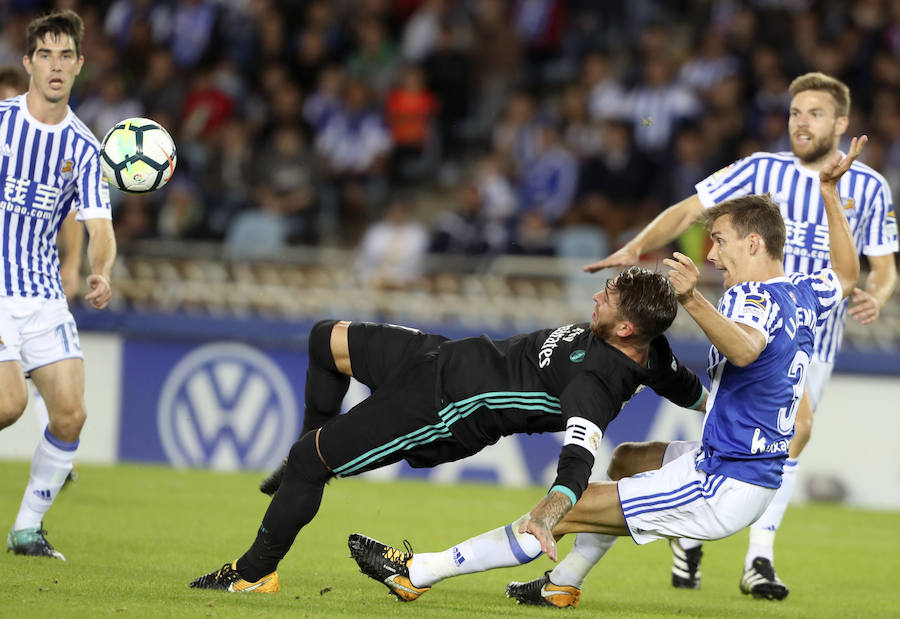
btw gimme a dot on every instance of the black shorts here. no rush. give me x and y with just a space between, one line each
400 420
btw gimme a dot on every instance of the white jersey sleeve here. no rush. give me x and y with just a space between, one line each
732 181
91 200
879 235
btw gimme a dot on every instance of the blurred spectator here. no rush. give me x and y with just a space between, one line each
375 59
310 58
285 184
392 250
134 220
449 73
125 16
582 137
496 59
353 144
709 64
420 33
657 104
325 100
617 183
161 87
108 106
550 179
533 236
410 113
539 24
463 229
516 136
605 94
497 193
193 28
13 81
229 176
181 213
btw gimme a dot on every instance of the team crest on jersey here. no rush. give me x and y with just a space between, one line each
849 204
67 169
594 441
577 356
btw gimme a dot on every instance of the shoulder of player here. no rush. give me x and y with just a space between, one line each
82 131
861 168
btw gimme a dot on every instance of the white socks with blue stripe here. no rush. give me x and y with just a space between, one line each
762 532
502 547
50 465
589 548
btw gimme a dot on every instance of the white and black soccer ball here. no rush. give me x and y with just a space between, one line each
137 155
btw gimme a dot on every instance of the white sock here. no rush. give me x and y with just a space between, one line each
502 547
688 544
51 463
762 532
589 548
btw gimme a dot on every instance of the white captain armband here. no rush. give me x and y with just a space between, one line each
584 433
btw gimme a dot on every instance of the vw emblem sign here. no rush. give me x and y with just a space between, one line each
227 406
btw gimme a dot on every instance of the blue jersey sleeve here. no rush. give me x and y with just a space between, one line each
824 289
880 233
750 304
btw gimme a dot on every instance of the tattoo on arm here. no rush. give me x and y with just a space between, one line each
551 510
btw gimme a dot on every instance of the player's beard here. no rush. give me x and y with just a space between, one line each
820 148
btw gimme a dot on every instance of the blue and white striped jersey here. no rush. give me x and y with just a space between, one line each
45 171
867 204
750 411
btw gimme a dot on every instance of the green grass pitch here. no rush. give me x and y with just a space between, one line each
134 536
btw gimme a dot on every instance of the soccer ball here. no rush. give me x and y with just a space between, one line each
137 155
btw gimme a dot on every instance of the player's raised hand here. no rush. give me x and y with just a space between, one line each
100 293
864 307
838 164
683 275
625 257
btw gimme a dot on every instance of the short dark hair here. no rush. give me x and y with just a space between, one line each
57 23
647 300
14 77
838 90
754 213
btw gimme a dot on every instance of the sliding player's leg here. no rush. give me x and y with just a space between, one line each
338 350
382 429
561 587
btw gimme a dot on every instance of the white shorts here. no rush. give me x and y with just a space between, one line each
37 332
817 375
678 500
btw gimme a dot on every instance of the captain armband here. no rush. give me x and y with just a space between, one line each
584 433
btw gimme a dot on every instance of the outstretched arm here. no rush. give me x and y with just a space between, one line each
843 253
666 227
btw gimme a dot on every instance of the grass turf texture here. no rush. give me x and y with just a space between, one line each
135 536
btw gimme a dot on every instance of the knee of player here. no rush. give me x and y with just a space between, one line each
304 461
68 421
620 461
10 411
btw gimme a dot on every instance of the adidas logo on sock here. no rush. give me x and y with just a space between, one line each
458 559
42 494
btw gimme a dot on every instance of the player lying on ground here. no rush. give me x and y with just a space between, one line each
762 336
436 400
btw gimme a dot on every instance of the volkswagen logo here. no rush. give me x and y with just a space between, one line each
227 406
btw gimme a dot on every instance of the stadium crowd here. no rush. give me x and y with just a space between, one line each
472 127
